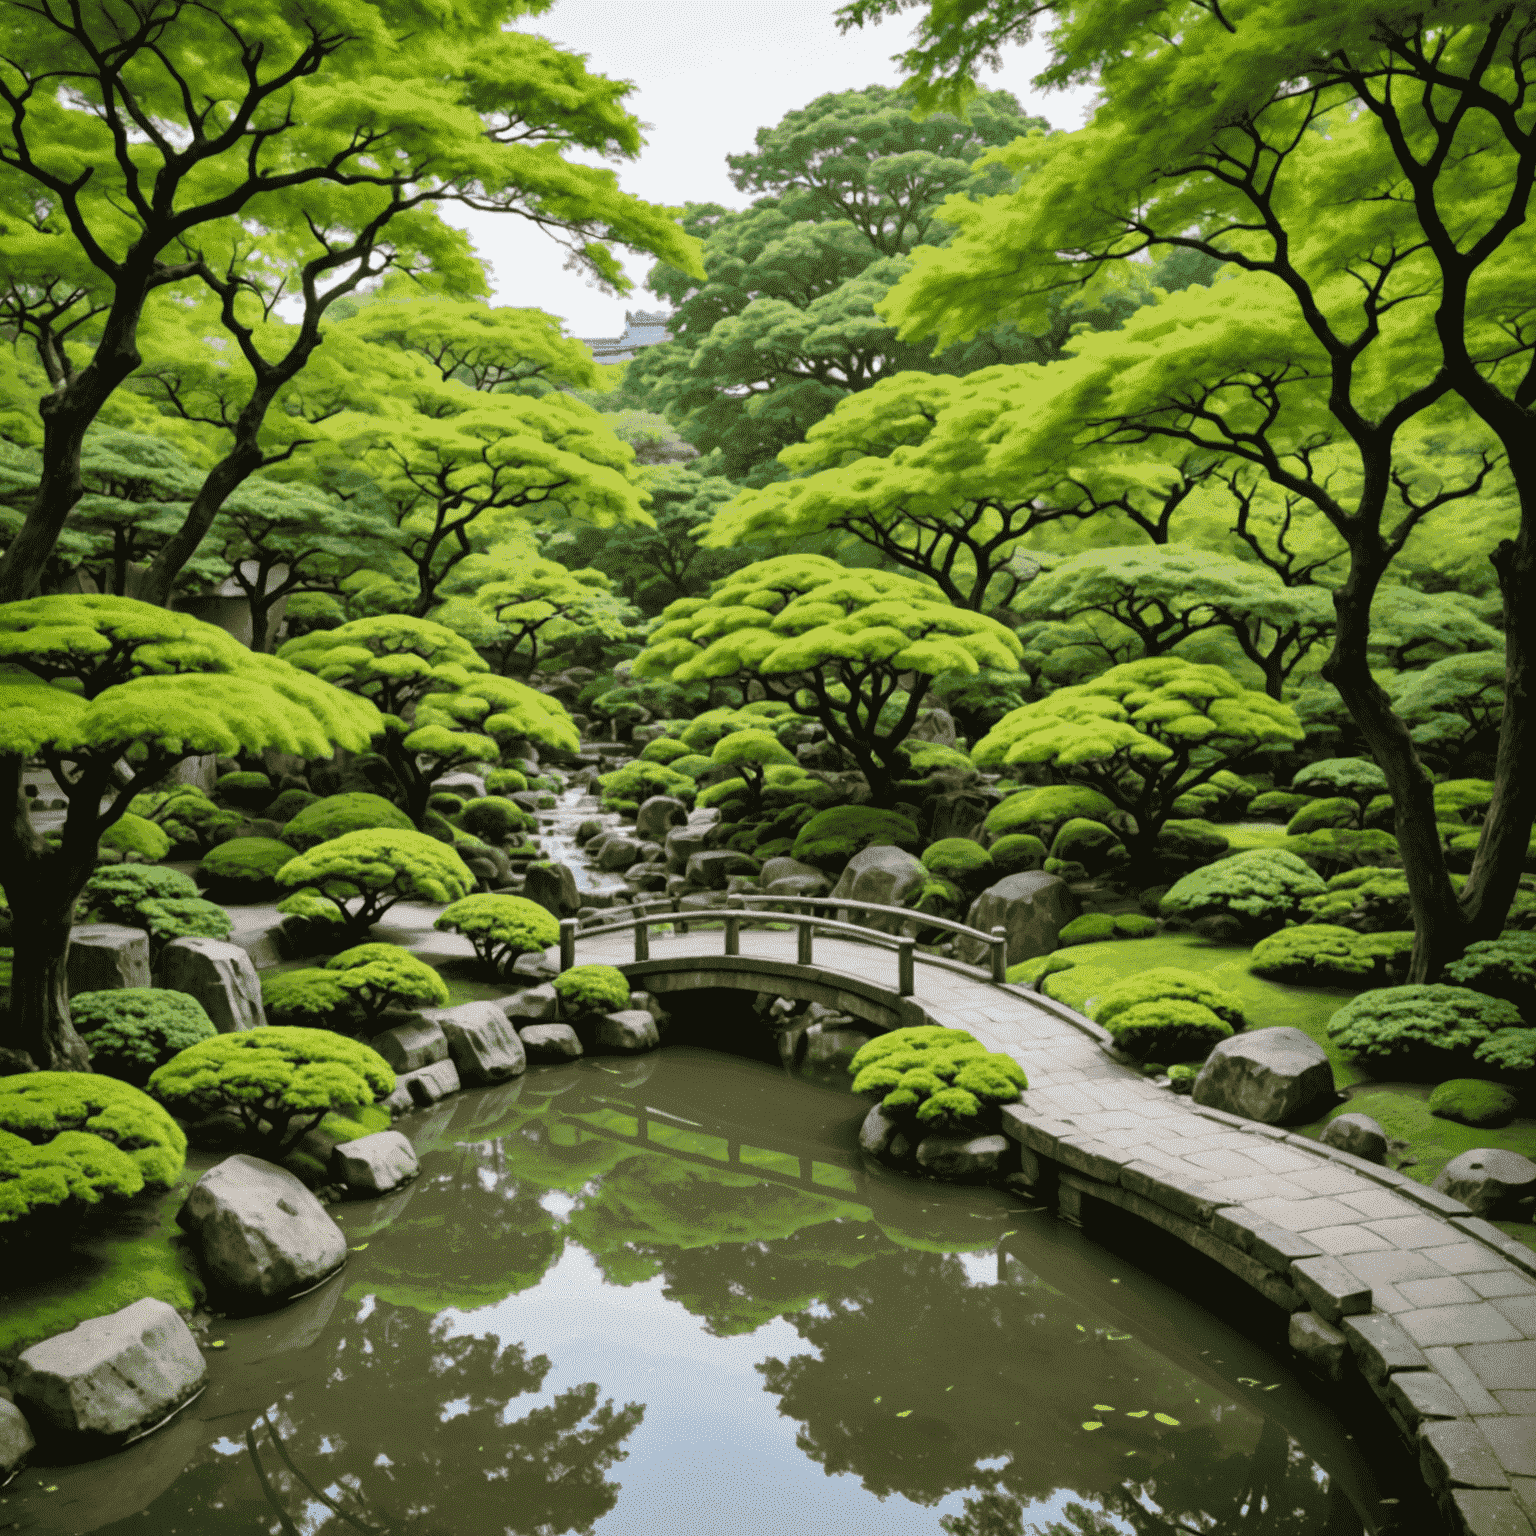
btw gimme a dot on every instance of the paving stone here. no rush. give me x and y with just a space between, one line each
1420 1395
1435 1199
1088 1156
1453 1453
1185 1196
1489 1512
1332 1290
1464 1258
1348 1239
1503 1282
1327 1180
1304 1215
1448 1363
1517 1402
1474 1323
1376 1204
1411 1231
1381 1346
1442 1291
1513 1438
1502 1365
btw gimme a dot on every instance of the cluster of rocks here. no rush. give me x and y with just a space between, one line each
218 973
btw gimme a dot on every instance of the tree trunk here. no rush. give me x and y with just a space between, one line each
226 477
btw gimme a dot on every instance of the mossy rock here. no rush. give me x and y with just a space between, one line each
1472 1101
1017 852
136 839
1319 815
665 749
244 868
831 837
251 792
336 815
1093 927
1090 843
1078 986
505 781
1277 805
960 861
288 805
1185 845
587 989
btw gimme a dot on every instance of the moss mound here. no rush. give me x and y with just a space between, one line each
1471 1101
831 837
1328 955
1419 1031
1094 927
961 862
1041 812
943 1079
1162 983
337 814
593 989
501 927
136 840
133 1030
1252 894
1015 853
1176 1029
244 868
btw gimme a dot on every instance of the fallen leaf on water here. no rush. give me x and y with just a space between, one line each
216 1344
1102 1408
1271 1387
359 1248
1247 1381
1092 1424
905 1412
1165 1418
878 1399
1008 1234
1140 1413
1081 1329
1117 1338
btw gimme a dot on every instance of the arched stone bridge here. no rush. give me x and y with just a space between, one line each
1435 1308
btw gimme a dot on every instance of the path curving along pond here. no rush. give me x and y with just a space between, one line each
668 1295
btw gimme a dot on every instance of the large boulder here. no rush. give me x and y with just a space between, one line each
657 816
104 956
1488 1181
958 813
550 1042
884 876
1032 906
961 1157
376 1164
1276 1076
409 1047
680 845
534 1005
711 869
260 1236
220 976
629 1031
935 725
553 886
877 1132
482 1043
785 868
16 1438
111 1378
617 853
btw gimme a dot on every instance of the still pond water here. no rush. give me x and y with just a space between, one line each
665 1298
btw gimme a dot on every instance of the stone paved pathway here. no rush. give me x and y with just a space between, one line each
1437 1307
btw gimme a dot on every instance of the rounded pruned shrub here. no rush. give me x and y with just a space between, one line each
1094 927
244 868
1319 815
115 894
831 837
1016 852
1332 850
1511 1053
505 781
280 1082
1185 845
1502 967
338 814
136 840
1041 812
133 1030
625 788
183 917
70 1141
1419 1031
1167 1029
1475 1102
366 873
1079 986
665 749
501 927
289 804
383 976
1277 805
1251 893
1163 982
1089 843
1355 780
1323 954
309 995
251 792
960 861
495 819
593 989
943 1079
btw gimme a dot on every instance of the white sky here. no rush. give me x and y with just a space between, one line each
709 74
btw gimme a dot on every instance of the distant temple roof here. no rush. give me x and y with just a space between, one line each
641 329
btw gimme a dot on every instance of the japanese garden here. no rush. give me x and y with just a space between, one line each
904 900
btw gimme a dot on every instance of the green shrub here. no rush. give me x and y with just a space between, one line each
366 873
133 1030
1040 812
1078 986
1318 815
280 1082
1419 1031
624 789
665 749
1089 843
1354 780
289 804
1367 899
1163 982
1182 1075
311 921
497 820
1016 852
1463 799
944 1079
501 927
1174 1029
1092 927
693 765
445 802
114 895
505 781
1277 805
1030 973
183 917
1185 845
251 792
1223 794
136 840
1332 850
1502 967
309 995
188 817
338 814
831 837
383 976
244 868
593 989
71 1140
1471 1101
960 861
1254 893
1511 1053
1321 954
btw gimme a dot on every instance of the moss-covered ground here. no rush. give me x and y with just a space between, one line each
1401 1108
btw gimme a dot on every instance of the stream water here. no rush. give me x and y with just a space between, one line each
667 1296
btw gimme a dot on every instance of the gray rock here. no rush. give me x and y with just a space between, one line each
589 829
470 785
112 1378
532 1006
799 885
617 853
539 967
644 735
646 877
259 1234
409 1047
629 1032
423 1087
876 1132
958 813
681 844
826 1047
527 799
900 1147
1320 1344
936 725
884 875
376 1164
651 1004
220 976
1356 1134
786 868
1488 1181
482 1043
961 1157
1274 1076
553 886
550 1042
711 869
1033 906
16 1440
657 816
105 956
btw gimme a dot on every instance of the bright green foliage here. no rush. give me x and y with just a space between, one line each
832 837
496 820
308 995
1333 849
784 785
1502 967
133 1030
244 868
1090 844
625 788
944 1078
137 840
382 976
367 872
115 895
1471 1101
445 803
592 989
1175 1029
505 781
251 792
1016 852
1462 799
289 804
1368 899
1277 805
1185 845
1511 1052
501 927
1078 985
1321 954
1453 706
1095 926
191 820
1041 812
1029 973
1165 981
338 814
1141 735
183 917
1317 815
961 861
281 1082
705 732
855 650
1419 1031
750 754
692 765
665 749
1258 891
69 1140
509 712
1356 779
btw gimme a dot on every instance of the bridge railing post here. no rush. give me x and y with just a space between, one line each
642 939
906 967
806 946
677 907
567 943
734 907
999 954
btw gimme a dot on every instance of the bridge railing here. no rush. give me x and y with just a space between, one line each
670 914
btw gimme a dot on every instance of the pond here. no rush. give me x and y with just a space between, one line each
667 1295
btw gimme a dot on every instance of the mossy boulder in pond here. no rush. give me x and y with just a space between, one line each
941 1079
1473 1101
133 1030
588 989
1419 1031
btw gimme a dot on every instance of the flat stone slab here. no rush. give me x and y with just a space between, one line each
409 1047
111 1378
376 1164
424 1087
550 1042
105 956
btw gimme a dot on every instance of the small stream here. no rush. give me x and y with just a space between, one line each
557 838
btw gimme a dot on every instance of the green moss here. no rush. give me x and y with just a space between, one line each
383 976
1017 852
501 927
1335 849
1089 843
961 861
943 1079
665 749
1094 927
137 839
1324 953
243 869
1175 1029
183 917
1168 982
505 781
251 792
1251 893
1277 805
593 989
1077 986
133 1030
114 895
832 837
626 787
337 814
1472 1101
1029 973
496 819
445 802
1502 967
1040 812
692 765
305 996
289 804
1511 1053
1419 1031
1185 845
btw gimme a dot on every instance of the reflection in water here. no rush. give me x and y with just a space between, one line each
800 1344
